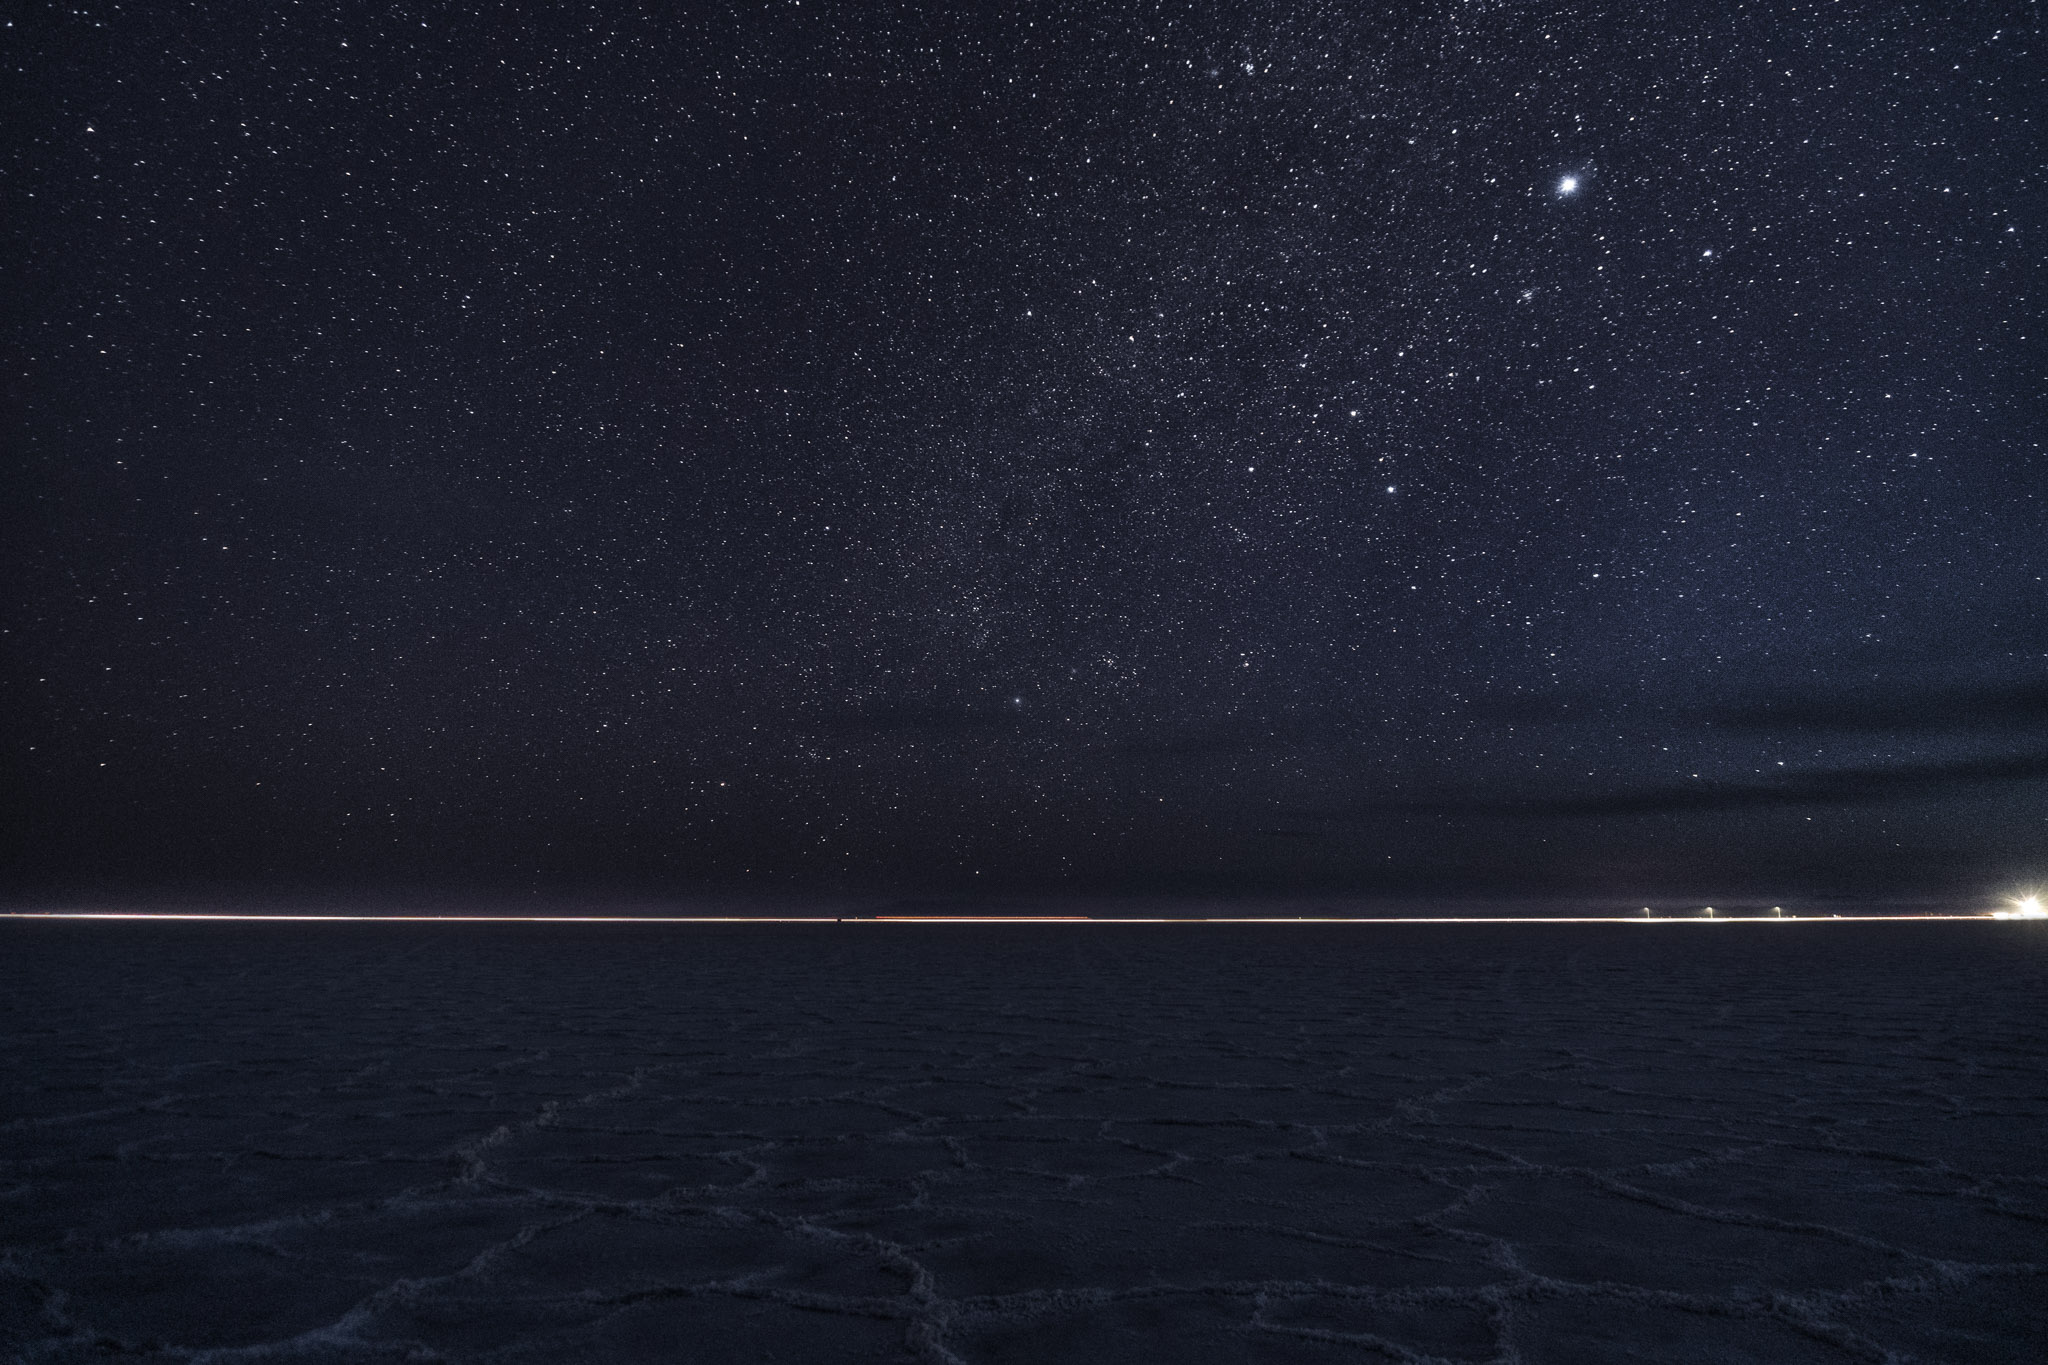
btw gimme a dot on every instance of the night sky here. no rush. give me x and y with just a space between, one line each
796 448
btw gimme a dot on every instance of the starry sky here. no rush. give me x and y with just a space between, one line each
1259 448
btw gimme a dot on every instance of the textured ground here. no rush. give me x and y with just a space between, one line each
1771 1143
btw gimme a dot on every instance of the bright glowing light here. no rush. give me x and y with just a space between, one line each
2023 907
1568 185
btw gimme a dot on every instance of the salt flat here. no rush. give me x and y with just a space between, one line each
982 1143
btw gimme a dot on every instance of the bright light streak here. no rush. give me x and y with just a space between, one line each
211 917
2023 907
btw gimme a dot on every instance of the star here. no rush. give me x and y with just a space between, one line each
1568 186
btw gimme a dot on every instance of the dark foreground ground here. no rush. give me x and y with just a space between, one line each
1770 1143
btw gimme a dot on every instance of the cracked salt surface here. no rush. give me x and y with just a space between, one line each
977 1143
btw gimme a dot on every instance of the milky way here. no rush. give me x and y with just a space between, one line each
1273 446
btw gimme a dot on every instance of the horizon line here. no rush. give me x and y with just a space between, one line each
1694 918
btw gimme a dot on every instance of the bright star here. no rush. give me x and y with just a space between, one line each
1568 185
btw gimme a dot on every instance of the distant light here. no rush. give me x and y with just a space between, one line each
2023 907
1390 488
1568 185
